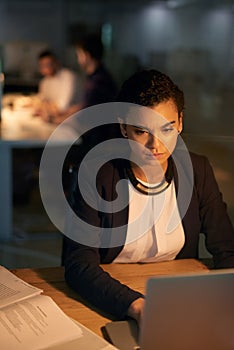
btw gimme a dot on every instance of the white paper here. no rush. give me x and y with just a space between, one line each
29 320
35 323
14 289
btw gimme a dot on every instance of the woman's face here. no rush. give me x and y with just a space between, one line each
157 134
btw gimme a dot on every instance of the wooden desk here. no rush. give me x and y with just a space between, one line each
51 280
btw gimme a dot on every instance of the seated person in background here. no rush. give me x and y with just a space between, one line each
100 86
59 89
156 173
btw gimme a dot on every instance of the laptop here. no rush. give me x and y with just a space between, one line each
183 312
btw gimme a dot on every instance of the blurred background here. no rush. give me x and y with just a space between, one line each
191 40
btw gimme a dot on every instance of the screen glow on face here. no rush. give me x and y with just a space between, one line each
156 133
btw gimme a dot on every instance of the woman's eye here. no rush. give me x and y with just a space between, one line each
140 132
167 130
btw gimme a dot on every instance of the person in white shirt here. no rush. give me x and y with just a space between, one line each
59 89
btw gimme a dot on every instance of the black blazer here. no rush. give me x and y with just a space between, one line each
204 212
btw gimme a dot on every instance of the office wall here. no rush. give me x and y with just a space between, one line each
136 30
37 20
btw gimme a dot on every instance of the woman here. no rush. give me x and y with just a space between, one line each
157 169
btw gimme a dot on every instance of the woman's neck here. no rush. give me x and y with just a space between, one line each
148 173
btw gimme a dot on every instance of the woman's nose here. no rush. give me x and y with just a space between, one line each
153 141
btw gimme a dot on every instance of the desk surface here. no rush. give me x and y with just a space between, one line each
19 126
51 280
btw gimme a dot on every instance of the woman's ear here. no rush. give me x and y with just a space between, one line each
122 127
180 126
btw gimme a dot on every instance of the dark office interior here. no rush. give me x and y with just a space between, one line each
192 40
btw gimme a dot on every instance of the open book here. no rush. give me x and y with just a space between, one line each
32 321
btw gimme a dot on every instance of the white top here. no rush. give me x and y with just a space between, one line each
63 89
155 231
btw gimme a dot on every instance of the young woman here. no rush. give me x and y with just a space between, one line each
171 197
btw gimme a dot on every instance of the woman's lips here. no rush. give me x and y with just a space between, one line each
154 155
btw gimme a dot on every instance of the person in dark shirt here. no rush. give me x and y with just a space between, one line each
100 86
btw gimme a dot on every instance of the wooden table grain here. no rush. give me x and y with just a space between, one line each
51 281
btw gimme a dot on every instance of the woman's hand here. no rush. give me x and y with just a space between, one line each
135 309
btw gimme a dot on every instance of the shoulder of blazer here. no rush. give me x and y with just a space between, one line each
202 169
192 165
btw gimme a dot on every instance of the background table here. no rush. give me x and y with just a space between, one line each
51 280
17 130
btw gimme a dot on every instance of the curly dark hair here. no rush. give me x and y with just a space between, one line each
149 88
